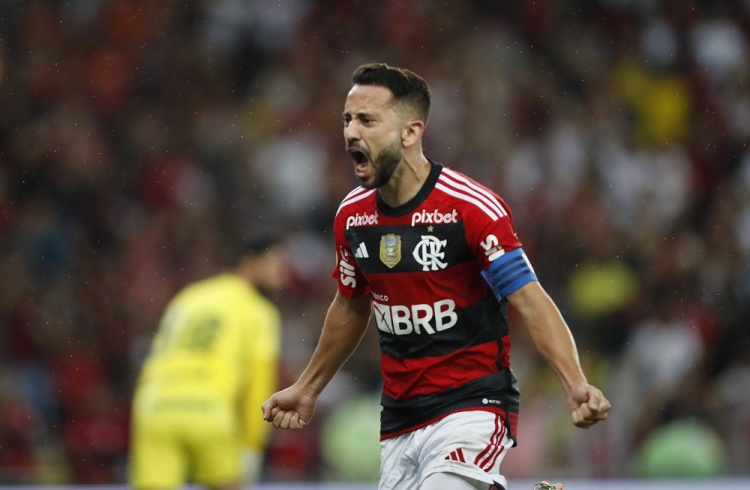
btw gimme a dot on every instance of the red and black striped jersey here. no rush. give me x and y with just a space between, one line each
444 337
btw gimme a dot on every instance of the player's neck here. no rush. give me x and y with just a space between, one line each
406 181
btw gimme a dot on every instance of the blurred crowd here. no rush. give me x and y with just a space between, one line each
138 137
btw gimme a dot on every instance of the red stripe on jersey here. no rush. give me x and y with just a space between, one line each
472 188
406 378
354 196
505 357
461 283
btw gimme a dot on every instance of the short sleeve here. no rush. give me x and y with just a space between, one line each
490 231
494 241
351 281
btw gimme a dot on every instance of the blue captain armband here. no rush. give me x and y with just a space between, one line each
508 273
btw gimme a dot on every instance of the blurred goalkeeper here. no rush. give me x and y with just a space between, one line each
212 362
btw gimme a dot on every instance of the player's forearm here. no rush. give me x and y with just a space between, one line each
554 342
344 327
550 334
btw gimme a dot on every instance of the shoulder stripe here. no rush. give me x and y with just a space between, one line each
356 190
474 189
354 199
467 198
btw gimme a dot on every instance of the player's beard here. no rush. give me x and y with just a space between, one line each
384 165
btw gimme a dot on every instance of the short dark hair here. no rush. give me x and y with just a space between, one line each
405 85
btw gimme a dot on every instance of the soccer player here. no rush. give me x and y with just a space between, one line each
212 362
434 255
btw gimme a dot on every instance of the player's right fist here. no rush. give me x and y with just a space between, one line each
289 409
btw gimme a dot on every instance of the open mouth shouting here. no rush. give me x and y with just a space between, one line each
361 161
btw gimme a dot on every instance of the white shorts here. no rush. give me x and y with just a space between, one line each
471 444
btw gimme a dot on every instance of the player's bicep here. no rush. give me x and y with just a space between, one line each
508 273
359 308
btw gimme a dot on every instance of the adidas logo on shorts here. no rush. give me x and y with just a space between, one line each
457 455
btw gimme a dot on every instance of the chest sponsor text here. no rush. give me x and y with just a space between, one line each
418 319
434 217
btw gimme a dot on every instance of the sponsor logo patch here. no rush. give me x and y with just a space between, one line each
362 220
390 249
492 248
418 319
434 217
346 270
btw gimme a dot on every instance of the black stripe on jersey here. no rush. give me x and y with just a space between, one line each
484 392
456 249
483 321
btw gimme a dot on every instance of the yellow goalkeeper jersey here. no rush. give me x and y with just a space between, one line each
218 343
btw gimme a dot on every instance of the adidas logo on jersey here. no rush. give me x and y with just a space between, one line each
361 252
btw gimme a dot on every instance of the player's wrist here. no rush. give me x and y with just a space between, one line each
307 389
575 386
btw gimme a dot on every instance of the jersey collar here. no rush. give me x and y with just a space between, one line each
413 203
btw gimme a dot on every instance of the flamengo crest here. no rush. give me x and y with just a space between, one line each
390 249
429 252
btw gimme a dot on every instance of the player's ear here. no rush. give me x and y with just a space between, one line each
412 132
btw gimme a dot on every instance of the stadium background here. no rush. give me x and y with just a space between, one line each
137 137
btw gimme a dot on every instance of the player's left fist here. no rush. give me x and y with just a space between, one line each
587 405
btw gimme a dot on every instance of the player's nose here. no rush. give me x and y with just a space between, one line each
351 132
